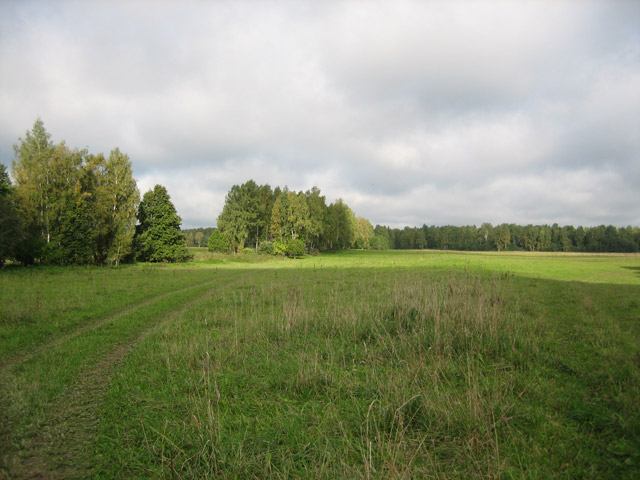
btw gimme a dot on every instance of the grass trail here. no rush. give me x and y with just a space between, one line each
27 353
50 395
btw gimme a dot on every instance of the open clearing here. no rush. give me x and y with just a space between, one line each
352 365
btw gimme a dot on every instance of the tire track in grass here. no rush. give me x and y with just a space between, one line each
61 449
14 359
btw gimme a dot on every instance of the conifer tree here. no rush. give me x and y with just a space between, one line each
158 236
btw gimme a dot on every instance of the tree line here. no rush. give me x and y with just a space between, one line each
541 238
71 207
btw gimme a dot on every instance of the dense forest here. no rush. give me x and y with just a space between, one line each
71 207
543 238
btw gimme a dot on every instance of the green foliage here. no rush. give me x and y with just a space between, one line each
379 242
341 226
10 227
72 202
238 214
123 197
254 214
364 234
295 247
198 237
279 247
317 217
217 242
267 248
158 236
510 237
75 243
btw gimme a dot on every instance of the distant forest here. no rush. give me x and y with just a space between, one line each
255 216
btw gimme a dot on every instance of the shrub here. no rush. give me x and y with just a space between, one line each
279 248
295 248
266 248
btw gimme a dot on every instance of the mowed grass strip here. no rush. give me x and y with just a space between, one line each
365 372
32 390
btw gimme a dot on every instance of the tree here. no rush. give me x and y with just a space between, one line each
379 242
217 242
48 183
420 239
122 198
32 195
317 217
277 223
297 218
10 228
199 237
158 237
364 233
502 236
74 245
341 228
237 218
262 203
485 233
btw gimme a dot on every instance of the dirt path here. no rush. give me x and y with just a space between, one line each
61 447
15 359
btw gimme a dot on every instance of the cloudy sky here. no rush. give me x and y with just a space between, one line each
412 112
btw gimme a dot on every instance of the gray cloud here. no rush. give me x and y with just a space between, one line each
413 112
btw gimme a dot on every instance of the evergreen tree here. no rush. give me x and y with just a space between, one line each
158 236
217 242
236 218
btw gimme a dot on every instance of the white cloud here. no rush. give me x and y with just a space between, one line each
413 112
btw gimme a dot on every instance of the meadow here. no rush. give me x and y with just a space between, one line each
358 364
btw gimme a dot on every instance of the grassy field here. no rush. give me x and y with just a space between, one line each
349 365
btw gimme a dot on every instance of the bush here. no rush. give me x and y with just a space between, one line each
266 248
279 248
295 248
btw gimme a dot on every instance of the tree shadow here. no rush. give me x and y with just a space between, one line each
635 269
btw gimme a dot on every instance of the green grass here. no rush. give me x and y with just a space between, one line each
346 365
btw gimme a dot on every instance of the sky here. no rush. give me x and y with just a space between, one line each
434 112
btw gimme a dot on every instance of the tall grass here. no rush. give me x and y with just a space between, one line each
336 374
356 365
